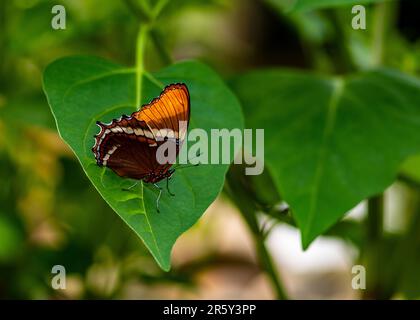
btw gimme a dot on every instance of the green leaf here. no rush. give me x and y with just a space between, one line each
303 5
411 168
331 142
82 90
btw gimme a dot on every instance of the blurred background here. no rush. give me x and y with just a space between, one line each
51 215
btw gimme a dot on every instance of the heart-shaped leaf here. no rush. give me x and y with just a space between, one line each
82 90
332 142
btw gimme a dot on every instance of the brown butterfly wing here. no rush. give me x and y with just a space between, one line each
117 146
128 146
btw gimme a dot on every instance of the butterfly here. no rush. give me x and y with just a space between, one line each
129 146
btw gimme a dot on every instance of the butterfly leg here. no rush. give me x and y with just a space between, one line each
158 198
167 187
131 187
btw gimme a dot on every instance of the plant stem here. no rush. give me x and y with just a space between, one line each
375 218
146 18
380 27
374 237
140 50
341 54
244 202
264 256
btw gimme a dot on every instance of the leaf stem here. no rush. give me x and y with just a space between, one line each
140 51
244 202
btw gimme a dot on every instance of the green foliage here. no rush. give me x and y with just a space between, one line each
316 132
304 5
11 237
84 90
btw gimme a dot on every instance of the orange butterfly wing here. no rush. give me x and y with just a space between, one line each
170 111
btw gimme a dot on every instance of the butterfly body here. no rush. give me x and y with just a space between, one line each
155 177
129 145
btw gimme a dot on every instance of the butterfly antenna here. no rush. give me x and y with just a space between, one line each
158 198
185 167
178 167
